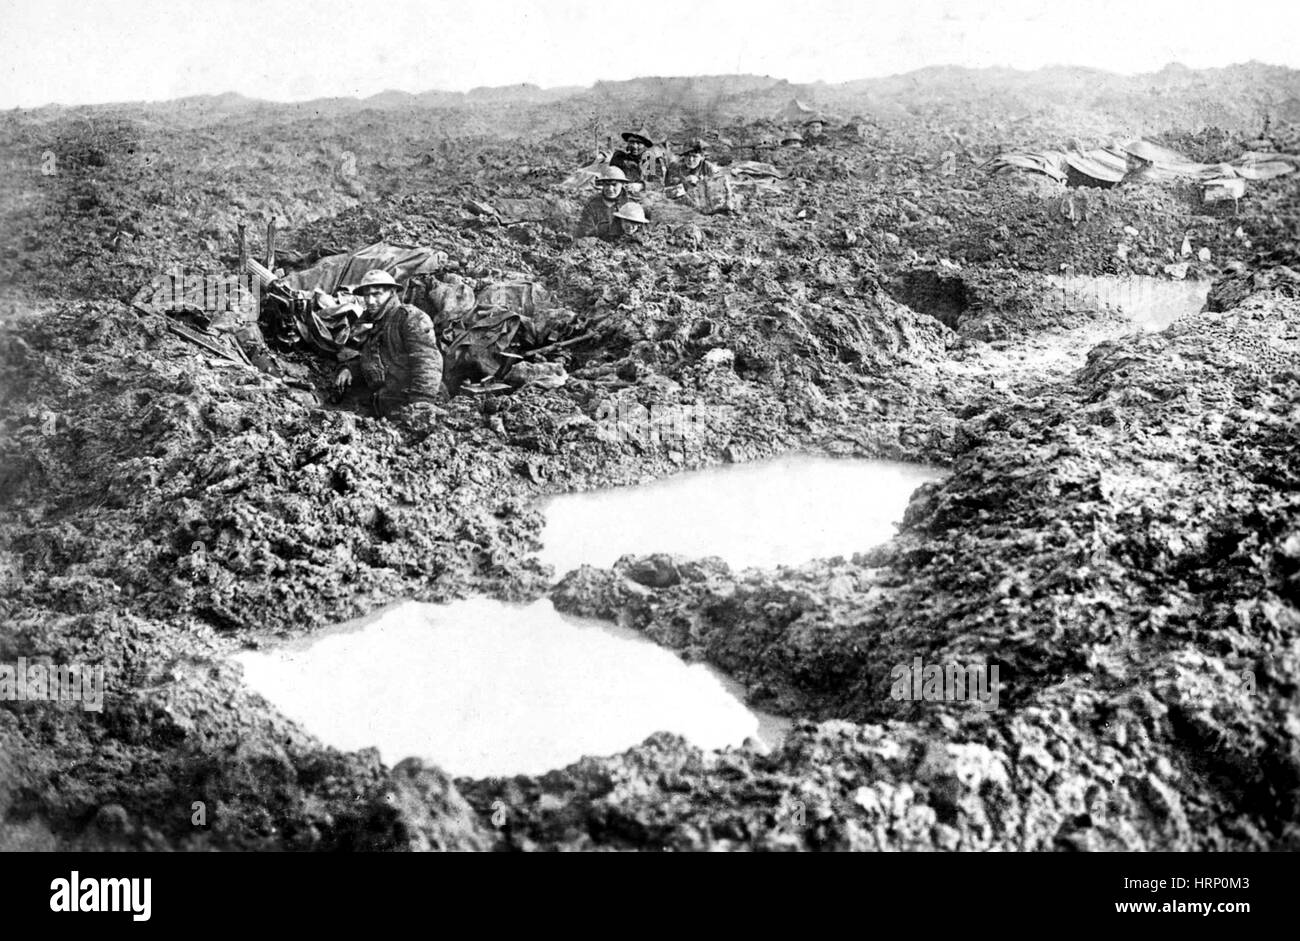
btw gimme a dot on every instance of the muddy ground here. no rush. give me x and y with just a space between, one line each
1120 532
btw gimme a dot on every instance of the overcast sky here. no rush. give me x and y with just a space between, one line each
82 51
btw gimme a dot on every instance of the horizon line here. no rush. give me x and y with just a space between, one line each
233 93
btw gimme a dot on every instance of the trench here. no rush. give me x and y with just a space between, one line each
485 688
943 297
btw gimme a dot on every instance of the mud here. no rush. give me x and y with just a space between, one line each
1120 533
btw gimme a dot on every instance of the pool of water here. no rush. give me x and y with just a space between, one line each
483 688
1151 303
788 510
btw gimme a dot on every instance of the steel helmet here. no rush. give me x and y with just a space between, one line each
611 173
632 212
376 278
792 136
1143 150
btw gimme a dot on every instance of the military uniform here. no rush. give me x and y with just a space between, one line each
631 166
647 168
400 359
598 217
702 187
681 175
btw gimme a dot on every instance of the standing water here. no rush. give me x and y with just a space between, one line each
787 511
483 688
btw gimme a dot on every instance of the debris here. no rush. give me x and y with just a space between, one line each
212 345
542 375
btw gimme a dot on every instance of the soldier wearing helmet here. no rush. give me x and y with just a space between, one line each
631 222
814 132
1139 163
598 215
399 362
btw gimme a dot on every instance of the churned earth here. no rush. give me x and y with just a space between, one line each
1120 532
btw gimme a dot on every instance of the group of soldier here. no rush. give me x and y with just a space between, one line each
401 362
616 214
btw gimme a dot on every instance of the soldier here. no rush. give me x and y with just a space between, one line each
814 132
690 166
631 222
639 165
598 215
1139 164
687 171
792 139
764 143
399 360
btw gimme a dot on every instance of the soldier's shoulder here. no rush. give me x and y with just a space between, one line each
413 316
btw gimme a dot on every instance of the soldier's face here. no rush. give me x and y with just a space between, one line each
635 148
376 298
815 128
611 189
694 159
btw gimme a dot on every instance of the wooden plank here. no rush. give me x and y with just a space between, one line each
270 245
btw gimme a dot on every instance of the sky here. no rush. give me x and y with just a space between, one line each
86 52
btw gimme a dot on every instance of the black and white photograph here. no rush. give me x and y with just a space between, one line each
533 427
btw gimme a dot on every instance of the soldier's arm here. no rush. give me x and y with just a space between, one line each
423 356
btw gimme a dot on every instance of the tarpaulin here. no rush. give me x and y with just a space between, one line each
338 271
524 297
338 330
796 112
1253 165
1106 166
584 178
755 169
1048 163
